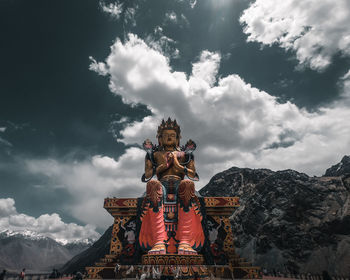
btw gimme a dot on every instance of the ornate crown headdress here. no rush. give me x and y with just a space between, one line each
169 124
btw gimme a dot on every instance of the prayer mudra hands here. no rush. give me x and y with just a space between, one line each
172 159
169 159
176 161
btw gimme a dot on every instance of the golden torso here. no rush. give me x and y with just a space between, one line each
169 160
160 158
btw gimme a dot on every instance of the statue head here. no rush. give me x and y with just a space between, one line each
169 134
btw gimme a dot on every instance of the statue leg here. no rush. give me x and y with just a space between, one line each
152 231
189 233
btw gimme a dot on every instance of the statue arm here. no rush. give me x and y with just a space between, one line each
191 170
148 168
160 168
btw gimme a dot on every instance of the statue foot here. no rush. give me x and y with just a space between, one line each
157 249
186 249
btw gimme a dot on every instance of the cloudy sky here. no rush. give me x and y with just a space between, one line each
260 84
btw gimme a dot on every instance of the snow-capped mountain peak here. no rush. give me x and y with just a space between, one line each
27 234
19 247
86 241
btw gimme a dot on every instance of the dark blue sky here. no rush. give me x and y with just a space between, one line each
46 85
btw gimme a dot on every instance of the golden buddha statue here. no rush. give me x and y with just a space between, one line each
171 218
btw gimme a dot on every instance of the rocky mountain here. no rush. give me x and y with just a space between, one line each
340 169
288 220
89 256
77 247
34 252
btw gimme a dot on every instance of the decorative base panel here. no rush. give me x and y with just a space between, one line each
172 259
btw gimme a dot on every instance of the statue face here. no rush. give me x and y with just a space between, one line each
169 138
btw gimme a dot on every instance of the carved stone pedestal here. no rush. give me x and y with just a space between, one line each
218 258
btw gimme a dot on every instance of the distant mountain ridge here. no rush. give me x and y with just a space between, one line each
25 234
35 252
88 257
36 236
286 219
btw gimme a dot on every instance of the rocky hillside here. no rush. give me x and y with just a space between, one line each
288 220
35 253
340 169
91 255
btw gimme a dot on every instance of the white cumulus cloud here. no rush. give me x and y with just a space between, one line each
7 207
89 182
232 122
171 16
97 67
315 30
118 10
162 43
49 225
193 3
113 9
